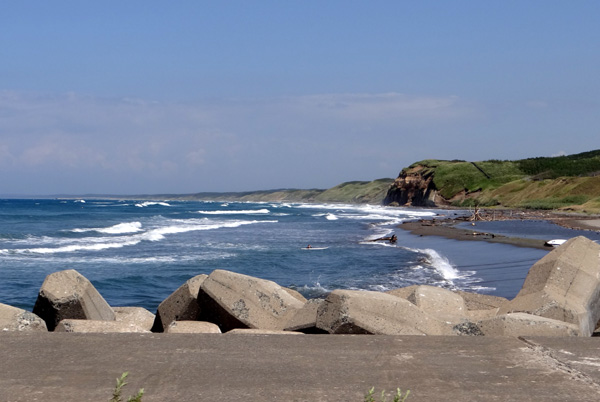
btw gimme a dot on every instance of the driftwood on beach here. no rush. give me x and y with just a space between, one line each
560 297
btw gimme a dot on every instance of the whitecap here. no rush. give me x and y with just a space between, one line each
120 228
151 203
95 246
315 290
103 243
331 217
239 212
191 225
440 263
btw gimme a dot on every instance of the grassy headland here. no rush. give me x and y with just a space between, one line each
568 183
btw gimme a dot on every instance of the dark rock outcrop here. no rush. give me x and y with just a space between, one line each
413 187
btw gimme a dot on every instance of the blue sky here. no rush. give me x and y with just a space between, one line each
146 96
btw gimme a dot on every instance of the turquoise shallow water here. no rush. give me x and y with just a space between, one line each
137 253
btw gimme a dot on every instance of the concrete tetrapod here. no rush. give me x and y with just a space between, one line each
181 305
564 285
16 319
138 316
522 324
305 319
96 326
192 327
233 300
68 294
367 312
440 303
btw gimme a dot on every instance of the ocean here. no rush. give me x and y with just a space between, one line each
136 253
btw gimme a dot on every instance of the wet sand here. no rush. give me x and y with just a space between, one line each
446 227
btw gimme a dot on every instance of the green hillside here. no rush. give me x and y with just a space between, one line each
569 182
354 192
357 192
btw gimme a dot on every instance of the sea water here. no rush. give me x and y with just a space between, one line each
136 253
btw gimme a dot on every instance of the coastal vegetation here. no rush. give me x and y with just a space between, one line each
116 397
398 396
568 183
353 192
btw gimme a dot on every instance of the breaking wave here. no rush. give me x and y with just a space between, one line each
174 226
234 212
125 227
151 203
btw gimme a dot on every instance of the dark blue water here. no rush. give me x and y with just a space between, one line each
137 253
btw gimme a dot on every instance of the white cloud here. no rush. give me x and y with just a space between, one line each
6 157
60 150
142 143
382 106
196 157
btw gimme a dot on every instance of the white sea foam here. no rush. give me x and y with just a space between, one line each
331 217
173 226
151 203
314 290
378 243
95 246
233 212
440 263
123 261
121 228
382 215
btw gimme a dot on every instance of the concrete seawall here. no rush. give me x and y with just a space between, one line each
194 367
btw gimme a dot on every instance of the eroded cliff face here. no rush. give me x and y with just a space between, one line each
414 187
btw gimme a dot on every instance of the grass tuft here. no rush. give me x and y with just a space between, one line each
116 397
398 396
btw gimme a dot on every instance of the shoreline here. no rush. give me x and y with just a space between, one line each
446 226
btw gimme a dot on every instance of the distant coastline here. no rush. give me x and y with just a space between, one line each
354 192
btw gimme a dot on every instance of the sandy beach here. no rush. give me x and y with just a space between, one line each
446 227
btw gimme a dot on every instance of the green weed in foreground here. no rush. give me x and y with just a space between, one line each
119 388
398 397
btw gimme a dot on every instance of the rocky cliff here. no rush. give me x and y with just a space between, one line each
413 187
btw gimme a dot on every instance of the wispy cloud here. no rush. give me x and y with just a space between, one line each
142 141
381 106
